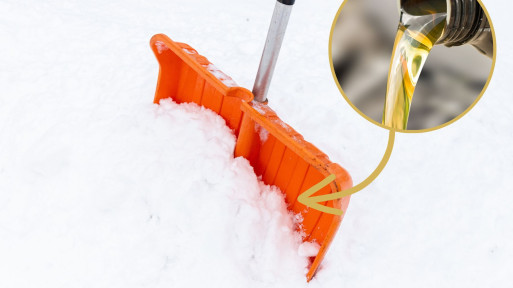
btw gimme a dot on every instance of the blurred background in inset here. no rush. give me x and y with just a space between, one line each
362 44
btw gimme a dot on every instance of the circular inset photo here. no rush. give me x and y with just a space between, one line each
412 65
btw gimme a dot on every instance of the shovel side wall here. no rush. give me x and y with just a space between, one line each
283 158
186 76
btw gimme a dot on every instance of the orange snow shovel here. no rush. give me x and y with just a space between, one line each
277 153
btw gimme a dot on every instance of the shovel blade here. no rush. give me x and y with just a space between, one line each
276 151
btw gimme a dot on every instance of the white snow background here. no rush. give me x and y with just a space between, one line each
101 188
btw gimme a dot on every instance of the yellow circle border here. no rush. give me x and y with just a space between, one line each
492 69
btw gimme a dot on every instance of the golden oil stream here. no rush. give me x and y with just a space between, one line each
415 38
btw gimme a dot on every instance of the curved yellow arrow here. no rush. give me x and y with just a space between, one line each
307 199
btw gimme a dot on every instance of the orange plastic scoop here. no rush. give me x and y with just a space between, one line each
274 149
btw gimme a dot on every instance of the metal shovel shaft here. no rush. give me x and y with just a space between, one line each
272 49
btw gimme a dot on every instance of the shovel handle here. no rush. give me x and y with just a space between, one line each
272 49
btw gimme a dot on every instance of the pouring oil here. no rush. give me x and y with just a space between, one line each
416 35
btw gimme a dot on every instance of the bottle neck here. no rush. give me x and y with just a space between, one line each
466 22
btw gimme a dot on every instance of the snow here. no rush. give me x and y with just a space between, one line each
308 249
96 182
225 79
149 198
161 47
262 133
